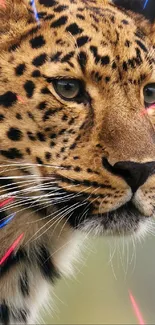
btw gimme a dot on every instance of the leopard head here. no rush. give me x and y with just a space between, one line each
77 89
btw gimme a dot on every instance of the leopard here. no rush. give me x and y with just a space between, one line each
77 137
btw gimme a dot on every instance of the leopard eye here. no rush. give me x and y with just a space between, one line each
149 94
68 89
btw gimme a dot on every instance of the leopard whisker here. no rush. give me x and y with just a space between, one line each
50 215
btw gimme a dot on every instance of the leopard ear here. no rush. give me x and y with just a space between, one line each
143 7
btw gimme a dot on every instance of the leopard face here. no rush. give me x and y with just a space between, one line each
74 94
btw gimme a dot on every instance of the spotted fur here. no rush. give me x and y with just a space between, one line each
73 166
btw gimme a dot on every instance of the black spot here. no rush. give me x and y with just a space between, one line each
42 106
52 144
12 153
62 131
14 47
82 60
45 264
39 60
64 117
14 134
48 3
36 74
29 87
49 17
77 169
37 42
67 57
55 57
13 260
82 40
1 117
45 91
80 17
8 99
105 60
41 136
142 46
72 147
41 14
24 284
51 112
28 151
125 22
127 43
4 314
59 22
20 315
114 65
48 156
74 29
60 8
139 34
30 115
53 135
39 161
125 66
31 136
18 116
19 70
107 79
32 31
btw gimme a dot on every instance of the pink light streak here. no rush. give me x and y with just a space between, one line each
136 310
21 99
2 3
11 249
148 110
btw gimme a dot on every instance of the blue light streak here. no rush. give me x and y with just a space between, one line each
33 5
5 222
145 4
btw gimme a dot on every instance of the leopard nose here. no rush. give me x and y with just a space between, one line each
135 174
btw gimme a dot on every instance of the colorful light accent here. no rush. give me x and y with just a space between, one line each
136 310
145 4
21 99
6 201
2 3
11 249
150 110
6 221
35 10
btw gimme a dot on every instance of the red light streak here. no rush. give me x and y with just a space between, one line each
136 310
5 202
11 249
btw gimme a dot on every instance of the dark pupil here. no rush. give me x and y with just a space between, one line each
150 92
69 87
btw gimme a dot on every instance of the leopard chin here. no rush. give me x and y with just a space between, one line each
126 220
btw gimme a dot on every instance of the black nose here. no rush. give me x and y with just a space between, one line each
135 174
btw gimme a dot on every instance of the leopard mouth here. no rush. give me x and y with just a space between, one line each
123 220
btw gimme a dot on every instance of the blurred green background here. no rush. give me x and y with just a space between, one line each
99 293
